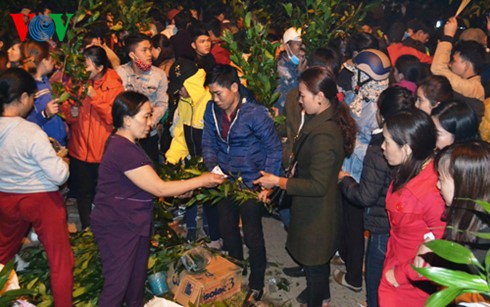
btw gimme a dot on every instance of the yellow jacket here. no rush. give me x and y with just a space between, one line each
190 117
467 87
485 122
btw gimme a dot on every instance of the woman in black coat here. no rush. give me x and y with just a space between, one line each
326 138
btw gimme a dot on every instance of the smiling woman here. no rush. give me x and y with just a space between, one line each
94 120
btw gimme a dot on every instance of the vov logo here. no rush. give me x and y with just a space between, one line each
41 27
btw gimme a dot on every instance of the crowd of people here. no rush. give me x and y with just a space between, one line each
381 136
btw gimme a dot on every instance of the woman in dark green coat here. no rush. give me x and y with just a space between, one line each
322 144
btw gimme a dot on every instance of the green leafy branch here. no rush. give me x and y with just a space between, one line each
194 167
257 64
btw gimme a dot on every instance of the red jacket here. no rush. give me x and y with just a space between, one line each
396 50
90 130
413 211
221 55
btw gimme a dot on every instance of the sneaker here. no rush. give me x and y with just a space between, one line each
296 271
337 260
339 277
216 244
253 296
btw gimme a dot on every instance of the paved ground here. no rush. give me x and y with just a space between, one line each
275 238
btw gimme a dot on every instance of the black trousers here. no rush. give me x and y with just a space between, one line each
317 284
251 213
352 242
84 176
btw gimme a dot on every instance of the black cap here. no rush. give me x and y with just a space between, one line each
179 72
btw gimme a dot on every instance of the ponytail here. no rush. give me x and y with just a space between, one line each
346 123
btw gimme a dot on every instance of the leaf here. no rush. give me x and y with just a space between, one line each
81 17
79 291
452 251
442 298
5 273
248 18
456 279
288 8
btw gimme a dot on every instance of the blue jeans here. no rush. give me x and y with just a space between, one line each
375 257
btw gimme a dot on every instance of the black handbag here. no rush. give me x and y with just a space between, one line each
279 197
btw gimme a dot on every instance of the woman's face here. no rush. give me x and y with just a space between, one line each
13 53
48 64
394 153
446 186
422 102
92 69
308 100
155 52
140 124
444 137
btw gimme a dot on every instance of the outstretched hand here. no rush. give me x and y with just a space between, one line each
210 180
267 180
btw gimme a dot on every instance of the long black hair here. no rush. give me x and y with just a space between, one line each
322 79
415 129
459 119
468 164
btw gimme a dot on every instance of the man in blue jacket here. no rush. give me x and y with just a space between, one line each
239 137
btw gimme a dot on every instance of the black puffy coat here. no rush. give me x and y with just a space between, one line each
370 193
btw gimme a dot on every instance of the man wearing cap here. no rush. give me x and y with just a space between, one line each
290 64
239 138
187 81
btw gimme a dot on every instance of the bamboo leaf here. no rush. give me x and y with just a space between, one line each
442 298
455 279
452 251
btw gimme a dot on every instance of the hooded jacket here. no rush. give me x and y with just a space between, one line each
190 120
90 130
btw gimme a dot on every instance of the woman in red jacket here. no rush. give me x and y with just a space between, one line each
90 128
413 202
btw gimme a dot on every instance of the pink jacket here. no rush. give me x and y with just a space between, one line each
413 211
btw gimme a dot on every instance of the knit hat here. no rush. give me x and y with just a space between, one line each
180 71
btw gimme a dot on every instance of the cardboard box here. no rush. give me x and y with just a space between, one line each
221 280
